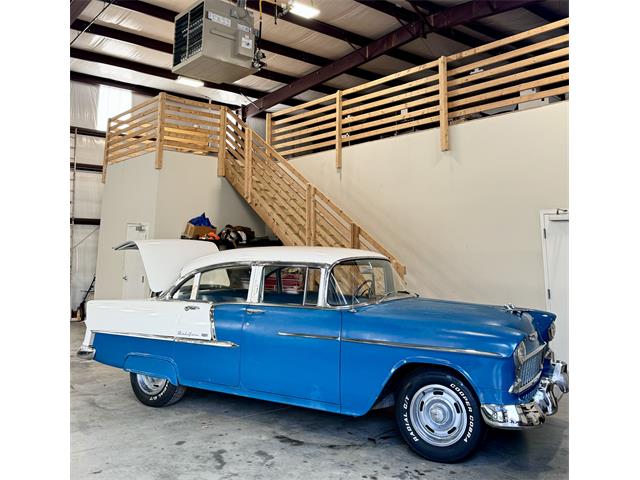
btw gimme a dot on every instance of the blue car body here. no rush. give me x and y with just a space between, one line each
342 359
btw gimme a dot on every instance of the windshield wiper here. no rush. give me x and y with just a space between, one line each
393 293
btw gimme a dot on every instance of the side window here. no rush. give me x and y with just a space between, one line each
284 285
225 284
312 286
184 291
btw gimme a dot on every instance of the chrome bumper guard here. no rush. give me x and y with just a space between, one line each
531 414
86 353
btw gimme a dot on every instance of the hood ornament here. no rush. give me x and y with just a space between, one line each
511 308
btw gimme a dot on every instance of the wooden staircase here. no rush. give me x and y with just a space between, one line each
293 208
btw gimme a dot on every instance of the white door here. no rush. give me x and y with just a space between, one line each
134 280
555 238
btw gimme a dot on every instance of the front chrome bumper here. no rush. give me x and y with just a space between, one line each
532 414
87 353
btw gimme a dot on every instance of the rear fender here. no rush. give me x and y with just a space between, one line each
152 365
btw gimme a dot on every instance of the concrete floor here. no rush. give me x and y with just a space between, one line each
215 436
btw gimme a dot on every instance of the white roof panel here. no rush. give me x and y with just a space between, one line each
319 255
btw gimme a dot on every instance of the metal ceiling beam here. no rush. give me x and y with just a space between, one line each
77 7
451 17
312 59
86 167
546 14
398 37
491 33
88 132
164 73
406 16
123 36
148 9
335 32
165 47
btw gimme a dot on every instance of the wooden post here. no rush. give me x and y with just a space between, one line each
160 129
248 159
339 129
443 100
268 129
355 235
105 159
310 216
222 147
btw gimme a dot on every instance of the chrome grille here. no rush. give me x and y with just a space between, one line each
530 368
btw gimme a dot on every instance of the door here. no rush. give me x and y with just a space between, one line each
225 289
134 281
555 235
290 346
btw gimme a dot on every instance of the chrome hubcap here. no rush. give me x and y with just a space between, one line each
438 415
151 385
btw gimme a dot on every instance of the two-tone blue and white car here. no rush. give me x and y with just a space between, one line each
332 329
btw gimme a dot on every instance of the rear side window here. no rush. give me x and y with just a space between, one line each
225 284
284 285
184 291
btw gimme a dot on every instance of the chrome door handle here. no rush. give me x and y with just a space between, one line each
253 311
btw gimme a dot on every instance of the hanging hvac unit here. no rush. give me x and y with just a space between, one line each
215 41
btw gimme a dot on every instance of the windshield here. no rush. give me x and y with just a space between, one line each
364 281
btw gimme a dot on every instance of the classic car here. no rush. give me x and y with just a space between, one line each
332 329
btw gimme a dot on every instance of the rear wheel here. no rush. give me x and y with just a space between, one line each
154 391
439 417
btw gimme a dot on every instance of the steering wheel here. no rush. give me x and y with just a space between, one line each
366 283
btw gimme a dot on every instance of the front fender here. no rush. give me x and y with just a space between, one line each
366 370
152 365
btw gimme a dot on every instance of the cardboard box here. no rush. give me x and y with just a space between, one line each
191 231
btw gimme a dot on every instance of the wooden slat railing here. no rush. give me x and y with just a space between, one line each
294 209
163 123
451 89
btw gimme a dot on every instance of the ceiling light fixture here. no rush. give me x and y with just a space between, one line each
192 82
303 10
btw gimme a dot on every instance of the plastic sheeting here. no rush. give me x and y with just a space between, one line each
88 194
84 105
83 260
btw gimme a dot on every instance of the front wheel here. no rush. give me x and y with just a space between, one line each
439 417
155 392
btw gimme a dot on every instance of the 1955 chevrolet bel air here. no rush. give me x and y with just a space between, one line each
332 329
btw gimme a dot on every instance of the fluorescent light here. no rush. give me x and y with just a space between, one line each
192 82
305 11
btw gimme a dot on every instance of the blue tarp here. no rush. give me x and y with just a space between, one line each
201 221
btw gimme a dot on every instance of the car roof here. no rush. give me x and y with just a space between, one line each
316 255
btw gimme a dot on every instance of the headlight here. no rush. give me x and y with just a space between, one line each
521 353
551 332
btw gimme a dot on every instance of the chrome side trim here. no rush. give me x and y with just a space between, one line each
168 338
209 343
432 348
308 335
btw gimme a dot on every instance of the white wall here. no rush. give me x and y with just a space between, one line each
130 195
135 191
464 222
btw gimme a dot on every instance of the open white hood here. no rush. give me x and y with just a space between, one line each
163 259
